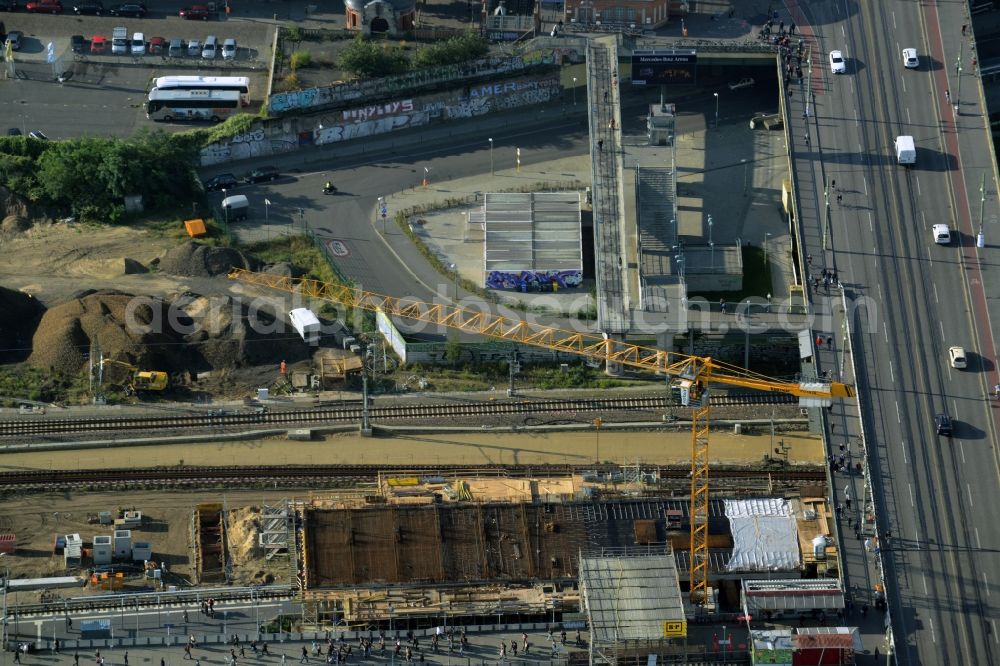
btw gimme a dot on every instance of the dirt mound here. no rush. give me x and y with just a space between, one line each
127 328
285 269
14 205
19 315
231 335
242 528
13 224
196 260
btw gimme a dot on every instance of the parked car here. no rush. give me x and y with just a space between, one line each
15 37
13 131
38 134
45 7
98 45
175 49
194 47
134 10
95 7
262 174
223 181
195 12
138 44
157 45
78 43
229 49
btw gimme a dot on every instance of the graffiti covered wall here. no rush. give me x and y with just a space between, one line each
369 120
534 280
341 94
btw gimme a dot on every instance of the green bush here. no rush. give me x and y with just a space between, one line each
300 59
458 49
366 59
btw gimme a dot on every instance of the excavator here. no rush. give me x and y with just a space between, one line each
692 375
139 380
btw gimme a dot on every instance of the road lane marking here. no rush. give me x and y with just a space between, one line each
902 445
986 584
885 330
894 27
917 181
924 578
910 487
940 323
892 376
908 121
979 544
870 227
968 488
933 636
865 183
880 297
993 623
961 449
934 284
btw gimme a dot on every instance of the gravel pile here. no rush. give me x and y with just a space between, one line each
196 260
285 269
19 315
127 328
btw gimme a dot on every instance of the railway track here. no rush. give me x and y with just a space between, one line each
30 426
357 474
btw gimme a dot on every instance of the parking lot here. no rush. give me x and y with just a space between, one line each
104 94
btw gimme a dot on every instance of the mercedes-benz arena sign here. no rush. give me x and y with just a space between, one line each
664 67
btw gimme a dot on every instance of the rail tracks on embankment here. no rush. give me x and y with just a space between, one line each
364 475
442 412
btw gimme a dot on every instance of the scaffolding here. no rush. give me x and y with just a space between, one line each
633 602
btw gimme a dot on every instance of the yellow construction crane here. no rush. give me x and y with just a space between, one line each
692 374
140 380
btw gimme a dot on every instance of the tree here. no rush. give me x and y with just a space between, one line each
367 59
453 351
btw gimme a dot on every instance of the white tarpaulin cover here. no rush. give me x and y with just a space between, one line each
764 535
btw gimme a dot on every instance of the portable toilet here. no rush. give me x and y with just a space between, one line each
102 549
142 551
123 544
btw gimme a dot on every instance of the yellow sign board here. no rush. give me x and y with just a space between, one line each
675 629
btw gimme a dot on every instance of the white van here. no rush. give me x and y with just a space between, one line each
229 49
138 44
211 47
941 233
119 41
235 207
906 152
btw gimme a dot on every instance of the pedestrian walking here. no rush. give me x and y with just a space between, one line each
819 340
305 655
242 652
806 137
876 647
605 96
282 660
833 184
187 651
76 659
17 655
809 259
829 341
197 662
600 145
864 610
791 28
163 662
947 95
965 27
722 306
840 198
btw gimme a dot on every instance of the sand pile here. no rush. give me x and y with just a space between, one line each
196 260
128 328
242 528
19 315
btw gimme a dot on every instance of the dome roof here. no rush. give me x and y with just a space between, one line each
397 5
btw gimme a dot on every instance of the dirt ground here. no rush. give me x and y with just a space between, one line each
53 262
36 518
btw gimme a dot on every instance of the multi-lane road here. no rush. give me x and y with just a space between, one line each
936 492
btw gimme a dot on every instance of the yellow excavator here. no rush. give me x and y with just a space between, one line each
691 374
139 380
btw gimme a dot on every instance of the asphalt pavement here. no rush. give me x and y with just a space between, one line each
936 540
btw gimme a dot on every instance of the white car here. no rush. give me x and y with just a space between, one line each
910 59
837 64
138 44
957 357
942 234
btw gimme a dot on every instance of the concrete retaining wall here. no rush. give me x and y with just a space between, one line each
272 138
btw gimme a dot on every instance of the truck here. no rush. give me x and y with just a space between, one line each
306 323
236 207
906 152
119 41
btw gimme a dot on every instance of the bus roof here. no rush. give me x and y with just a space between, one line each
157 95
180 80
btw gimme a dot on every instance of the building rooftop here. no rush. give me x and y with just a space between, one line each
536 231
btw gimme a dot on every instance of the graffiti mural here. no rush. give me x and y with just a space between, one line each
349 131
378 111
533 280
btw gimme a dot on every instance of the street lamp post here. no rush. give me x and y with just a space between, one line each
711 244
826 223
225 208
716 110
980 238
958 74
267 220
767 234
746 166
492 172
454 269
574 91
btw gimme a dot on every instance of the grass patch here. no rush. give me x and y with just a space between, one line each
297 250
756 279
24 381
